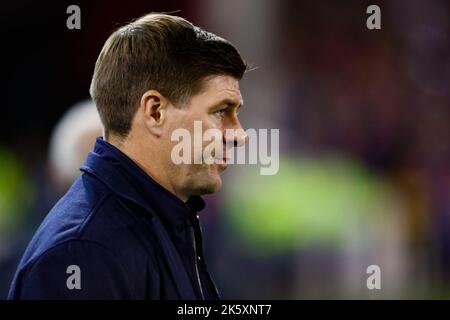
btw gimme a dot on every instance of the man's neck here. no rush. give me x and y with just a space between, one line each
137 154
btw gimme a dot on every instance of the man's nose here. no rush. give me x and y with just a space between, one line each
235 136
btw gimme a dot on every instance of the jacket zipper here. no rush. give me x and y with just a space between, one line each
195 263
209 276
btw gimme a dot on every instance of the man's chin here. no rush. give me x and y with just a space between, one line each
211 185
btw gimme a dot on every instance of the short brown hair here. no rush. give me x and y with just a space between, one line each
157 51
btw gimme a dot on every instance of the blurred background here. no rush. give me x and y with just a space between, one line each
364 175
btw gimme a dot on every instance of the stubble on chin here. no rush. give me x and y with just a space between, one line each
205 180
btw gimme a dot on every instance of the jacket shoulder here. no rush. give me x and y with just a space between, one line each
90 219
70 214
74 269
89 211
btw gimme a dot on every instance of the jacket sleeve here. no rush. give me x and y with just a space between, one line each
77 269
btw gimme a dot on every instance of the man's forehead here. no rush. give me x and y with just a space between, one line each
224 87
233 96
221 82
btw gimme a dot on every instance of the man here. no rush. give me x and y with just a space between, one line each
128 227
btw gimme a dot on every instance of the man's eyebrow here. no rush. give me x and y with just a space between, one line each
230 103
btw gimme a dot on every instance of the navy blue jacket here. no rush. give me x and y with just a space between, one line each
129 238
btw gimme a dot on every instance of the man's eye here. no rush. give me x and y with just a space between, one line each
220 113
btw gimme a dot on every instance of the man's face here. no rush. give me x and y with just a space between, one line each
216 106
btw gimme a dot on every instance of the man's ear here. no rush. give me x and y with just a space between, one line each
154 110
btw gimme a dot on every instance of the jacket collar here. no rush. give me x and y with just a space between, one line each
126 179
